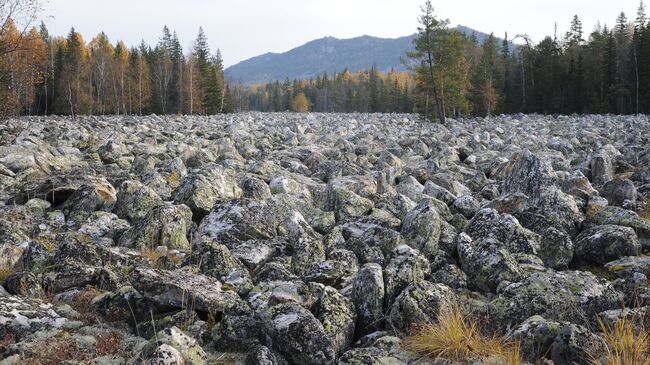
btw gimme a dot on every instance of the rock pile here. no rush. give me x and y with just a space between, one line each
315 238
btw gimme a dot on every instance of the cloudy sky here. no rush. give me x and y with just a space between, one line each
246 28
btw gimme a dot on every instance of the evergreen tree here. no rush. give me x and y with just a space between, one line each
441 68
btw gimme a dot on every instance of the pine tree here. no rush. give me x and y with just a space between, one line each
441 68
487 78
373 89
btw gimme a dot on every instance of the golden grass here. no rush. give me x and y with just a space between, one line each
592 210
627 342
454 338
153 255
174 180
5 272
645 211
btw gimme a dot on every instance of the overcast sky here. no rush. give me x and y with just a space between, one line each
247 28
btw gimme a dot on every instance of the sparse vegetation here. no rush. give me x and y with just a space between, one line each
108 344
592 210
154 256
53 351
644 212
5 272
456 338
627 342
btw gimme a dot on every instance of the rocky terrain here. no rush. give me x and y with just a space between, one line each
315 239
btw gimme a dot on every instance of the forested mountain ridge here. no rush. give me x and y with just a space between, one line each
330 55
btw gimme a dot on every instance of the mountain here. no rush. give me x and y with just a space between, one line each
329 55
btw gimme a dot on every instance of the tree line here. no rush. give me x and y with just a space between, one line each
43 74
449 74
365 91
453 75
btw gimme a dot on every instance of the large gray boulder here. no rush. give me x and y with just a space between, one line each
165 225
368 296
574 296
294 332
201 189
406 266
489 224
134 200
602 244
487 263
421 228
182 289
419 303
91 197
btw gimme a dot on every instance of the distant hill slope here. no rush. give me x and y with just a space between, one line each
328 54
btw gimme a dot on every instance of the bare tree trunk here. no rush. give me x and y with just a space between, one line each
441 115
636 69
191 86
70 99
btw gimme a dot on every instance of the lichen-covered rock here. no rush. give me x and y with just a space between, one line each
623 217
561 342
271 292
619 192
338 316
200 190
419 303
487 263
255 189
308 249
346 204
135 200
504 228
21 317
601 165
406 266
165 225
216 261
602 244
573 296
294 332
98 195
233 222
236 332
168 344
182 289
421 228
450 275
556 248
368 296
528 174
465 205
103 224
262 355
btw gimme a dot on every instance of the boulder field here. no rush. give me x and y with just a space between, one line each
315 238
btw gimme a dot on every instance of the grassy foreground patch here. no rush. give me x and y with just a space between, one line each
456 339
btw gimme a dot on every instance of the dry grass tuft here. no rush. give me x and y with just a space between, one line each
151 254
626 342
5 272
154 255
174 180
109 344
645 211
592 210
6 341
82 304
57 350
454 338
